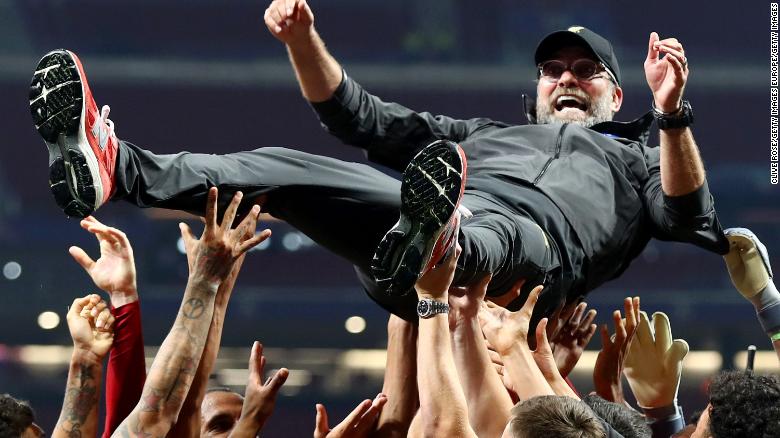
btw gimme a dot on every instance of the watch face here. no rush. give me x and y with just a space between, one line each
423 308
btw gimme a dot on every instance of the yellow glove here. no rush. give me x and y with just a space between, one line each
747 262
654 362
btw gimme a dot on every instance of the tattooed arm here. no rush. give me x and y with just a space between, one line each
188 424
211 259
90 324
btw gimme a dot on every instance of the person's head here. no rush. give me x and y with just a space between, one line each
578 78
742 404
627 422
554 416
219 412
17 419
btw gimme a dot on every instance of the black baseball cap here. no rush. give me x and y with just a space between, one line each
583 37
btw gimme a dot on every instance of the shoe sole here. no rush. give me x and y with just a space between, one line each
57 109
431 189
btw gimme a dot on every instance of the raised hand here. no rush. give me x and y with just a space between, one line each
502 328
666 76
212 256
654 362
358 423
572 338
260 394
608 371
289 20
91 326
114 271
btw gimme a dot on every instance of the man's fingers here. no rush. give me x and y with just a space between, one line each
366 421
533 297
605 338
586 323
211 209
101 322
542 344
321 423
671 42
354 416
495 357
576 317
270 23
677 64
276 18
186 234
652 53
230 212
255 369
672 51
78 305
81 257
278 379
620 328
254 241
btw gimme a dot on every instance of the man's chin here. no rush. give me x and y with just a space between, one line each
569 115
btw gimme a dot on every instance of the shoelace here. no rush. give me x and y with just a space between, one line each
104 111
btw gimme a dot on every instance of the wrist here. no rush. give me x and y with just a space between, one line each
211 283
83 354
304 42
662 412
120 298
668 109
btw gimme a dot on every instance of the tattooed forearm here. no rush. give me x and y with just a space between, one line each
79 408
174 367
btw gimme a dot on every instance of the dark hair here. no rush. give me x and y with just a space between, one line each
554 416
625 421
744 404
15 416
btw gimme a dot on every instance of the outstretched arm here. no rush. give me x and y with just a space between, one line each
682 171
318 73
443 406
507 332
488 402
400 384
114 272
211 260
91 327
189 418
676 195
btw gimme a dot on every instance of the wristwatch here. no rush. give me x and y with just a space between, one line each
678 119
427 308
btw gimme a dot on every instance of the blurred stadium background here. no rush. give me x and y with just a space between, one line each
206 76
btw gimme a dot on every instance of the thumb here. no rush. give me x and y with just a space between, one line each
652 53
542 345
81 257
321 423
186 235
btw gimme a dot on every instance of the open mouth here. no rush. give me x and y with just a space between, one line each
569 101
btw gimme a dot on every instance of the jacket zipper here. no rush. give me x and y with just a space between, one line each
558 142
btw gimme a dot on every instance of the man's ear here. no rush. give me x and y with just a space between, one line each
617 99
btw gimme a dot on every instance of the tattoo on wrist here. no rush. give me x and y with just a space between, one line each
193 308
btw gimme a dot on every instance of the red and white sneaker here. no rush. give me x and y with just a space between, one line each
431 189
81 140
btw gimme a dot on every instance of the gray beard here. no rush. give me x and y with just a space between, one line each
598 111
